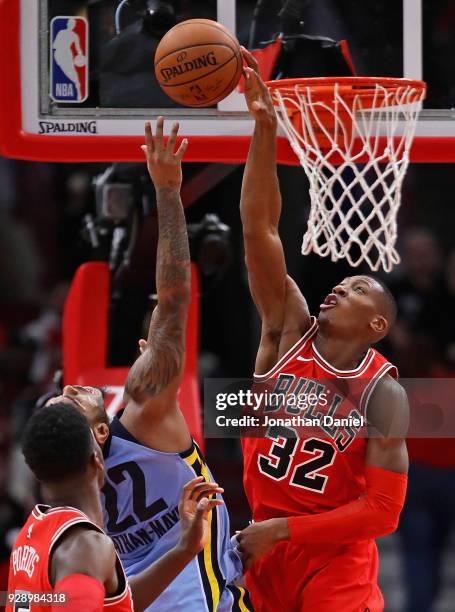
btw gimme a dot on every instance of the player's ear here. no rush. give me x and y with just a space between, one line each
101 432
379 324
97 459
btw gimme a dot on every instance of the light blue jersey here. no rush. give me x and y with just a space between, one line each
141 497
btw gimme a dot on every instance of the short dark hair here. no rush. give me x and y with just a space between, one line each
57 443
389 300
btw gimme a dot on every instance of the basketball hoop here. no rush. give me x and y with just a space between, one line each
352 136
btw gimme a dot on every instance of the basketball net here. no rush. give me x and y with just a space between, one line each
352 136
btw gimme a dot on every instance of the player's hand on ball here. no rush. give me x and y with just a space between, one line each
259 538
257 95
194 508
163 162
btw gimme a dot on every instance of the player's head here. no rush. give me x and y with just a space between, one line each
359 307
59 447
89 402
71 23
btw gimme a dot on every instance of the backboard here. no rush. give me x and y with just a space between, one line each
44 116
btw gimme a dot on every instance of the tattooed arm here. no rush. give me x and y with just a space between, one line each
160 365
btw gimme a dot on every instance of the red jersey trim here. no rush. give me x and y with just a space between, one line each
38 514
66 526
291 352
110 601
355 373
371 386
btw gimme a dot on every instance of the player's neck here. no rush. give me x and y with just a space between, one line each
79 494
342 354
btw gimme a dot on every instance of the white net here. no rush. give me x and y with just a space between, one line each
353 143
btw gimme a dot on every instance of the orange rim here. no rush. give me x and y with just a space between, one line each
322 87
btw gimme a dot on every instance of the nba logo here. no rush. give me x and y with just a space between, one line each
69 61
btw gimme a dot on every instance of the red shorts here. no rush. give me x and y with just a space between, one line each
320 579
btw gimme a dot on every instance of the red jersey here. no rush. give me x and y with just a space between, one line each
29 561
320 465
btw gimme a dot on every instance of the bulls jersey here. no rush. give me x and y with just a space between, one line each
141 497
29 562
318 465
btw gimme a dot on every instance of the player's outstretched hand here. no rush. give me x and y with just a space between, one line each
257 95
194 508
259 538
163 162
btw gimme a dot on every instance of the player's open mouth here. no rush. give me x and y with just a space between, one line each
330 301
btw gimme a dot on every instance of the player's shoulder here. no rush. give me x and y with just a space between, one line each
85 536
121 441
388 410
389 387
81 546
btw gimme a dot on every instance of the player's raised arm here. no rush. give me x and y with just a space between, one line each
160 365
376 513
260 208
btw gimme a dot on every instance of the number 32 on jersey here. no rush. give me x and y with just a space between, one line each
307 474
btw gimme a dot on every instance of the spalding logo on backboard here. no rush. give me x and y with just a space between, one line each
69 59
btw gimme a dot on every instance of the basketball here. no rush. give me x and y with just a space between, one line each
198 62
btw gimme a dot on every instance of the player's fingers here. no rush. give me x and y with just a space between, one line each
258 106
259 82
254 84
249 58
205 506
188 488
203 488
208 492
159 132
173 137
251 76
149 136
254 64
201 508
181 150
208 486
213 503
249 81
254 79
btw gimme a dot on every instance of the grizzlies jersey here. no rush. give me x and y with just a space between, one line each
311 468
140 498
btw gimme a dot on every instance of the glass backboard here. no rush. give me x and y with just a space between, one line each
78 81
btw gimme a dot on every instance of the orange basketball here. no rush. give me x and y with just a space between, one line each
198 62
